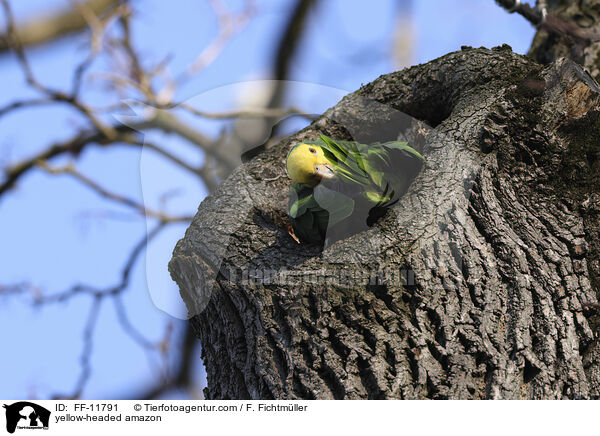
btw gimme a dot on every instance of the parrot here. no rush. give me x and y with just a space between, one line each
340 188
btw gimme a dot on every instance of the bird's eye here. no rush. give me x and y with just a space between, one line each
312 150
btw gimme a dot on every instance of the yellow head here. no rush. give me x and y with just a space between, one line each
307 164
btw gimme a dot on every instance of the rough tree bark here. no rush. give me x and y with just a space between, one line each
497 242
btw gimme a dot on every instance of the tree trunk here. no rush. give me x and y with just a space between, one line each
480 283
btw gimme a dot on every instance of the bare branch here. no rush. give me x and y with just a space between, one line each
287 48
284 55
99 28
19 104
117 198
73 146
49 28
258 112
530 14
182 377
97 15
128 328
174 159
59 297
20 289
84 359
98 296
16 45
127 135
167 122
229 25
540 18
14 42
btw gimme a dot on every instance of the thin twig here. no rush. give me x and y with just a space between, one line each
128 327
19 104
182 377
86 353
258 112
73 146
98 297
229 25
112 196
16 45
166 154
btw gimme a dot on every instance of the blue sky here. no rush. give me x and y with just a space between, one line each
52 233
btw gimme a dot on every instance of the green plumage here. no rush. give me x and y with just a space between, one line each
368 180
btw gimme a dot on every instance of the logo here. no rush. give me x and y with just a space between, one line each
26 415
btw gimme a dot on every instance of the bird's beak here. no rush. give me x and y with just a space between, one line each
324 172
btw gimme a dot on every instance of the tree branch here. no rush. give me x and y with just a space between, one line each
287 48
112 196
530 14
73 146
50 28
182 378
98 296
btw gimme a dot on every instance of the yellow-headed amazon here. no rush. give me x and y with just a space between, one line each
341 187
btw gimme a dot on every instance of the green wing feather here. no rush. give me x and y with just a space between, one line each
346 161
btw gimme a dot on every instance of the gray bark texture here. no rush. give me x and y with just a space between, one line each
497 243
